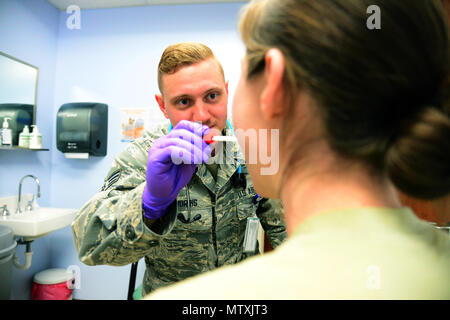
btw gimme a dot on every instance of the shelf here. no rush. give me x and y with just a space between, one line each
19 148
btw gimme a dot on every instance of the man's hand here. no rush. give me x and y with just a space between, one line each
172 161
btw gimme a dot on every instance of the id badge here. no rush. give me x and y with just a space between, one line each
251 234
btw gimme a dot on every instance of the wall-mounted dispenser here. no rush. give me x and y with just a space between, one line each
82 129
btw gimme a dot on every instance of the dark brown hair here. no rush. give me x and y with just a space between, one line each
382 93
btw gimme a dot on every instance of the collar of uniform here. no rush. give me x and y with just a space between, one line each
360 219
225 170
206 177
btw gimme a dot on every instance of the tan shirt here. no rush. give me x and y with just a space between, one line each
366 253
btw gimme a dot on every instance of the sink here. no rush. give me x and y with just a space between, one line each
39 222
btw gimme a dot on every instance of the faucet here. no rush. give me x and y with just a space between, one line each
4 211
19 198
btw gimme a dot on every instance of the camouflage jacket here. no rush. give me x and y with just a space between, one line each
203 230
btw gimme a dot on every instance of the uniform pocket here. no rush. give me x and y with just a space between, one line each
245 208
198 219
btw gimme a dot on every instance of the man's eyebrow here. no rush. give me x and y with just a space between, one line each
213 89
187 96
179 97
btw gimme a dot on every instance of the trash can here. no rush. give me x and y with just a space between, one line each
52 284
7 250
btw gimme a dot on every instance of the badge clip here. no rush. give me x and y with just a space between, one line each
251 234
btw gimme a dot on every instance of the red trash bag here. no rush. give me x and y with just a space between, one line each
52 284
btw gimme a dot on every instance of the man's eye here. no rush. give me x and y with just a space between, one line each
183 102
212 96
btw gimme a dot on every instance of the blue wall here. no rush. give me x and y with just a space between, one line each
112 59
29 31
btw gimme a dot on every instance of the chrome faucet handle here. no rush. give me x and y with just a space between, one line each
29 206
4 211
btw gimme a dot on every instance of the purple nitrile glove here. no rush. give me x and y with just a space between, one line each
172 161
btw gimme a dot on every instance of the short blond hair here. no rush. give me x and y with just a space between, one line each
183 54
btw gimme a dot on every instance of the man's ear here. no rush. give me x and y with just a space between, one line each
273 92
226 87
162 106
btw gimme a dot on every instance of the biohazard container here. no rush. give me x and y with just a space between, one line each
52 284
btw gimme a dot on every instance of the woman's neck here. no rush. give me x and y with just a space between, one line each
306 194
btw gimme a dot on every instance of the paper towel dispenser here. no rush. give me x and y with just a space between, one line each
82 128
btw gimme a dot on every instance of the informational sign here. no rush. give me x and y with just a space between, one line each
133 123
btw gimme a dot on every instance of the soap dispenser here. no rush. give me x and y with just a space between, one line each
35 138
6 133
24 138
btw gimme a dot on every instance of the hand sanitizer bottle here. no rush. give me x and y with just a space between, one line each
24 138
6 133
36 138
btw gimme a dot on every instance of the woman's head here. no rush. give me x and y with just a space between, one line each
381 95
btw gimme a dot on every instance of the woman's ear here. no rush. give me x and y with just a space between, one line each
272 96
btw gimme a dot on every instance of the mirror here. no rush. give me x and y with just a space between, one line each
18 85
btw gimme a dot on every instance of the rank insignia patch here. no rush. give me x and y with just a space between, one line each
113 178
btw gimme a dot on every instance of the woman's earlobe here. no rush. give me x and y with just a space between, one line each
272 96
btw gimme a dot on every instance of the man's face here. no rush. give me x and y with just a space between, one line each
196 93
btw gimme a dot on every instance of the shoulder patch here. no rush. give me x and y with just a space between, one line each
113 178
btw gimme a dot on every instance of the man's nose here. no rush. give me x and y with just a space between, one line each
201 113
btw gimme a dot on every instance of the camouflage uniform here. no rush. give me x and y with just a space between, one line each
203 229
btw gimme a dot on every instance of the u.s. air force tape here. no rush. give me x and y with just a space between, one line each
113 178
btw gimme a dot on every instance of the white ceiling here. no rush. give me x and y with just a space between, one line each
96 4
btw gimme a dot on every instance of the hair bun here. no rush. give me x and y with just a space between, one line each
418 162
